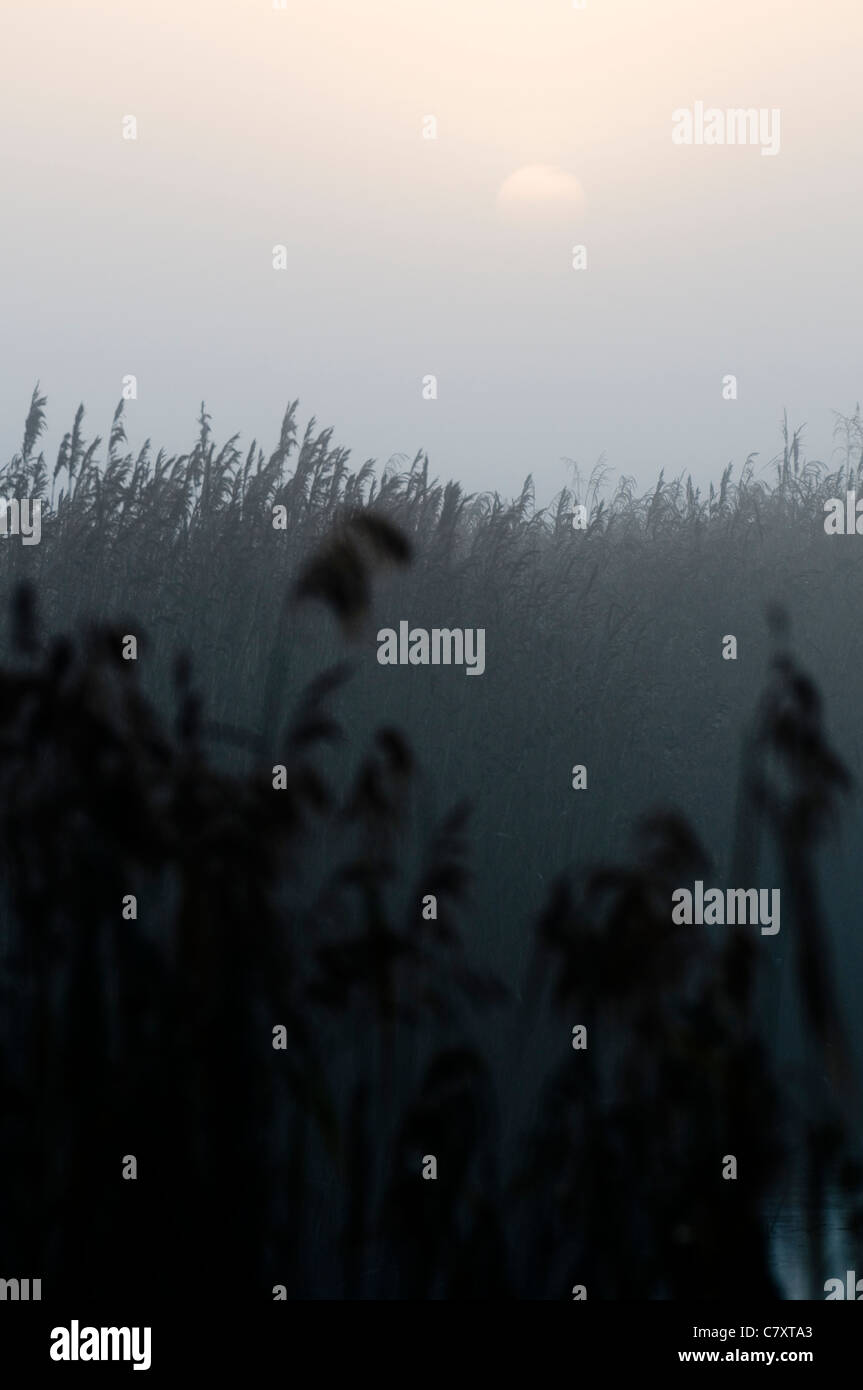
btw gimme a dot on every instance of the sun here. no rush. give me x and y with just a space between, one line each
540 190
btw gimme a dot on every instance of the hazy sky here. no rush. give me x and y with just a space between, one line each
303 126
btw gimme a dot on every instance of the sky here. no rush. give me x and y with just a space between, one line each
408 257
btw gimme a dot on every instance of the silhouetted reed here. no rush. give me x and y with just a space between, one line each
299 907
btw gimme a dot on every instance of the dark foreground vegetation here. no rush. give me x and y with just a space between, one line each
301 907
